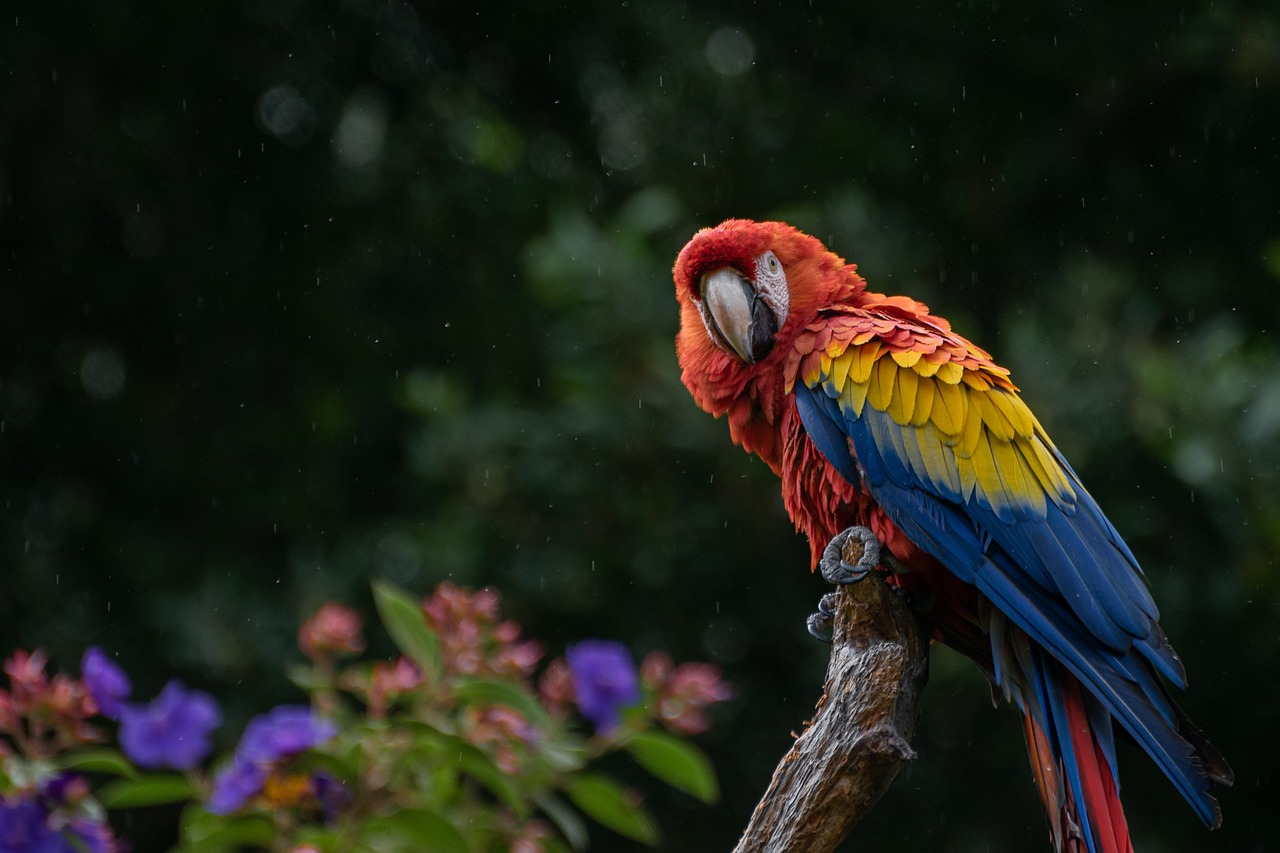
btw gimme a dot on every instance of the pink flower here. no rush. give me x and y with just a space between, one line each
388 681
504 730
333 630
472 640
531 838
654 669
556 687
688 691
26 675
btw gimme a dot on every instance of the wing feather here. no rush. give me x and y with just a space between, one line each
949 408
924 404
864 358
1027 569
974 442
883 375
904 395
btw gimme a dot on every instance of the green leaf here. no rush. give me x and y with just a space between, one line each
563 754
107 761
151 790
407 625
321 838
202 832
414 830
476 763
491 691
677 762
607 802
308 678
565 819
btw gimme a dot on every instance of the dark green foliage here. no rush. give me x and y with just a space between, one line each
293 295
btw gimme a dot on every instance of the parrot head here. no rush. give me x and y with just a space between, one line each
746 291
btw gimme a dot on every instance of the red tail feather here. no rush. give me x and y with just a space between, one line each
1100 797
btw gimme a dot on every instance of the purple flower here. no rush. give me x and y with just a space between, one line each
283 732
172 731
106 682
333 795
92 837
234 785
24 828
604 680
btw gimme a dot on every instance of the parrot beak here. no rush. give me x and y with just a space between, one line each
737 316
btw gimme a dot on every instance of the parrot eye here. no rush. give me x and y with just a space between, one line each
773 262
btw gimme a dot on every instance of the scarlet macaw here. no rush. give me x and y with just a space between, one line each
874 412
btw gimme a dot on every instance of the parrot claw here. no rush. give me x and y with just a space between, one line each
860 545
820 623
856 544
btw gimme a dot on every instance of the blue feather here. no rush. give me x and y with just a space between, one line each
1067 581
826 432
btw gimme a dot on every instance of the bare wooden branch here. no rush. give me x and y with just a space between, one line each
860 736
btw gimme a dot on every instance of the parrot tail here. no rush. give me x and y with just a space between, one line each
1073 765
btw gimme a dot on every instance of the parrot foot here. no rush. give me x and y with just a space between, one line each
819 623
850 556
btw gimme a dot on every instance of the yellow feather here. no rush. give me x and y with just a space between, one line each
950 372
976 380
939 460
1035 469
1015 411
973 431
924 402
904 397
950 405
913 451
864 357
905 358
880 394
825 361
1020 485
968 476
987 472
1053 471
855 394
993 417
840 370
925 367
895 409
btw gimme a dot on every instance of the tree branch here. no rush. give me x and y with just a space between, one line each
860 736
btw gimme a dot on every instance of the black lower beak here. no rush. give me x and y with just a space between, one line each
739 319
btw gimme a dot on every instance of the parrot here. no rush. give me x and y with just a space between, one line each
874 413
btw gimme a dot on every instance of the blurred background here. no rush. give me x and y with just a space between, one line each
295 294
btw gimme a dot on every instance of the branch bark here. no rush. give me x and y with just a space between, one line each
859 738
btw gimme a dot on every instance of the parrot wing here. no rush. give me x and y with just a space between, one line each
947 448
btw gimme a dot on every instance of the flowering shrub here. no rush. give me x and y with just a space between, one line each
452 745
